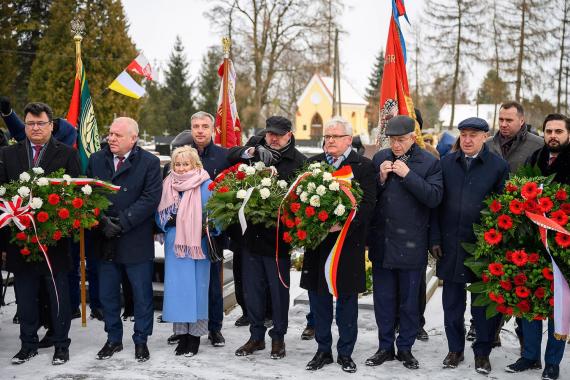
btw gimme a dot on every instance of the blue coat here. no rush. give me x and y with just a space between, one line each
398 238
135 203
65 132
464 192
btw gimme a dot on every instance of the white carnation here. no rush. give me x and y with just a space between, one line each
316 172
66 178
311 187
315 201
24 177
36 203
299 190
265 193
241 194
87 190
266 182
259 166
304 197
249 170
42 181
340 210
38 170
242 167
2 190
314 165
282 184
334 186
24 191
327 176
321 190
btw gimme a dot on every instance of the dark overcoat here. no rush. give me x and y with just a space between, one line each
560 167
17 158
135 203
351 275
464 192
399 236
214 158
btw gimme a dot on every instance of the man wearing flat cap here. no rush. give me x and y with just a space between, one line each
275 146
409 186
470 174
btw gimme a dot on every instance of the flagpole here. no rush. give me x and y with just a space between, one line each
78 28
226 44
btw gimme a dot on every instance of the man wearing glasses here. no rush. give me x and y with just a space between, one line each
409 186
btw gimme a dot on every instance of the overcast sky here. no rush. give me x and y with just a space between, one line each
154 26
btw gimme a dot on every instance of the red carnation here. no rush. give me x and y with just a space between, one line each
509 256
529 190
510 188
289 223
539 292
495 206
240 175
524 306
485 278
34 239
545 204
297 220
323 215
42 216
520 279
309 211
25 251
56 235
509 311
492 297
565 207
516 207
496 269
21 236
76 223
563 240
505 222
287 237
559 217
551 302
295 207
301 235
533 258
500 299
506 285
77 202
502 309
63 213
520 258
25 221
522 291
493 237
211 186
53 199
96 211
561 195
531 205
547 273
223 189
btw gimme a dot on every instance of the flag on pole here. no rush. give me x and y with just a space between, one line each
395 96
81 113
233 126
141 66
124 84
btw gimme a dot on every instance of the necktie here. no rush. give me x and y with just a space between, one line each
37 150
468 161
551 160
120 163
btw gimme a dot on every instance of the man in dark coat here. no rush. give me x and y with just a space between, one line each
552 158
409 186
260 270
470 174
39 149
351 277
126 239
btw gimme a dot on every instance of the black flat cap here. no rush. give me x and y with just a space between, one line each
181 139
400 125
278 125
474 123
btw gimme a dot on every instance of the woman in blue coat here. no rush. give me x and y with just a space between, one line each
181 215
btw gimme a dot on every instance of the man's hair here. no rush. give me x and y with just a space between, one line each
37 108
515 104
202 115
339 120
557 116
127 120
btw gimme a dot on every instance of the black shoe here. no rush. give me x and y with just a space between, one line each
250 347
379 358
453 359
217 339
75 314
182 347
242 321
346 363
24 355
523 364
60 356
46 340
141 352
308 333
108 350
408 359
96 314
422 335
277 349
16 320
551 372
319 361
482 365
193 345
173 339
471 334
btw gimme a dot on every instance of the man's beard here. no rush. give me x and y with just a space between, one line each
558 148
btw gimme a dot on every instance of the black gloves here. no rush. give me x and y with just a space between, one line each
265 155
436 252
171 222
5 106
111 227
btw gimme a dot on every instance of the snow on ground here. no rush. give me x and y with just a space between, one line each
221 363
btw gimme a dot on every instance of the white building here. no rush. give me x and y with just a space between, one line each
464 111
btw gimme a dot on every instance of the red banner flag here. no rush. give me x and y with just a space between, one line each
233 126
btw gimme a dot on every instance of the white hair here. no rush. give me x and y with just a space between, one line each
203 115
339 121
129 121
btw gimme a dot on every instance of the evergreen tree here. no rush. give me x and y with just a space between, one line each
8 48
373 91
154 110
209 80
493 89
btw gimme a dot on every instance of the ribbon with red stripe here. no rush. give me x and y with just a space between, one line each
83 182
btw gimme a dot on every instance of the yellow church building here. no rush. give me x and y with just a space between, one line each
315 107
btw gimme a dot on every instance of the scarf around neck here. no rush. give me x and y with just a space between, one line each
277 154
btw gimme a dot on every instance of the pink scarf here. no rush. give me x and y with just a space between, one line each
188 209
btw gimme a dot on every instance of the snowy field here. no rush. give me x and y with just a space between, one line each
221 363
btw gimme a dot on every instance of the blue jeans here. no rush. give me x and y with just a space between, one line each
532 333
140 277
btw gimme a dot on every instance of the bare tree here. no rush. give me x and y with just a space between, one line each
565 4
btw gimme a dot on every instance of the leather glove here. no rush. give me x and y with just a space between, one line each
110 227
436 252
171 222
265 156
5 106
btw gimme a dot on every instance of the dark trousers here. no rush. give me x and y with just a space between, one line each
346 320
238 276
421 302
140 278
532 332
129 310
396 289
215 298
27 286
454 299
260 277
75 280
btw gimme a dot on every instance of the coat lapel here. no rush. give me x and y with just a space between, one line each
49 154
23 158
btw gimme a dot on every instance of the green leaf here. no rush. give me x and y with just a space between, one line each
469 247
476 265
491 310
477 287
482 300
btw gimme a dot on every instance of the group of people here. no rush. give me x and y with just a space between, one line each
413 203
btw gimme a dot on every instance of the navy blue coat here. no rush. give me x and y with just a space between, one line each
464 192
399 234
135 203
64 132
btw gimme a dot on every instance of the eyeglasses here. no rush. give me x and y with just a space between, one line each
40 124
333 137
398 140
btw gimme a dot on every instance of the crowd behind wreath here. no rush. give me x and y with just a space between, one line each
413 202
